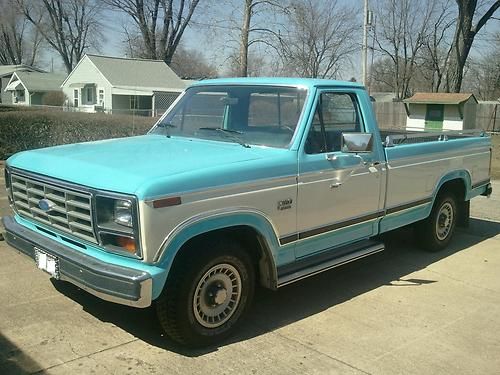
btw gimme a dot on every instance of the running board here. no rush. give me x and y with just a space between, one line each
327 260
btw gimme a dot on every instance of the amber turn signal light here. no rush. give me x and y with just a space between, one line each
126 243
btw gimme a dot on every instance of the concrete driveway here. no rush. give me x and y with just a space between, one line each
400 312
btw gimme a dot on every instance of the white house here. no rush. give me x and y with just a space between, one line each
6 72
121 85
441 111
29 88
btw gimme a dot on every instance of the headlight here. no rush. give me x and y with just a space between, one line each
123 213
117 223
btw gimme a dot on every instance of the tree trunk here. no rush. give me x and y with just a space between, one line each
245 30
464 36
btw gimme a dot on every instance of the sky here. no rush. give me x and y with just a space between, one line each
217 44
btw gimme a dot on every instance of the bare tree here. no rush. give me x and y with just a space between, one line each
465 32
160 23
257 66
382 75
400 35
483 76
320 40
437 45
70 27
251 33
192 64
19 43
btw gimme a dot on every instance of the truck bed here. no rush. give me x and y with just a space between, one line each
394 137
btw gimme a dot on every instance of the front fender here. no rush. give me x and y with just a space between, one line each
212 221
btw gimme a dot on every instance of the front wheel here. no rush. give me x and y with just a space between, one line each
435 232
206 294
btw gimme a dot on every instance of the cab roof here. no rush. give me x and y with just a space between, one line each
305 82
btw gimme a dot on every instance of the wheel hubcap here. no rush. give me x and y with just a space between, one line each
444 221
217 295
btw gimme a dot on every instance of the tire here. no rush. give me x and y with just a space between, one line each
436 232
195 308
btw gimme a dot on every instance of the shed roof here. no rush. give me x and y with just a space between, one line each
9 69
139 73
36 81
439 98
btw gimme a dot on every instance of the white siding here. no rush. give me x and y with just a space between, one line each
86 72
451 121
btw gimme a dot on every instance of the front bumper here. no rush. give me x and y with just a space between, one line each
107 281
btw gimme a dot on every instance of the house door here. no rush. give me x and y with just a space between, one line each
434 117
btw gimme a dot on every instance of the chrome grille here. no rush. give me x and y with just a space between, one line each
71 210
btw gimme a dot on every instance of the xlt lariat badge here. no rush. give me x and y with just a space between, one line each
285 204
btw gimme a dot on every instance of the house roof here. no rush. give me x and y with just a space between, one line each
36 81
439 98
154 75
6 70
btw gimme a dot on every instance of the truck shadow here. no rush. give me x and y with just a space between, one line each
14 360
273 310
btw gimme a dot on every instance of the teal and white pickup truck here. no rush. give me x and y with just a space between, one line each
242 182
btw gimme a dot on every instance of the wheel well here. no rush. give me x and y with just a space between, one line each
456 187
251 240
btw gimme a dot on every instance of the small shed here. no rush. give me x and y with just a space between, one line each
29 88
441 111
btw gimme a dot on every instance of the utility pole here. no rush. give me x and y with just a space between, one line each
364 56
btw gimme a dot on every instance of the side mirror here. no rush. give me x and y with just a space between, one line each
357 142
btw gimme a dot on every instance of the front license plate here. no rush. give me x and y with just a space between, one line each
47 263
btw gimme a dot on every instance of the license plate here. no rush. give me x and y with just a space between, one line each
47 263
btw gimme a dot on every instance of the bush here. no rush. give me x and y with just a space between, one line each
25 130
55 98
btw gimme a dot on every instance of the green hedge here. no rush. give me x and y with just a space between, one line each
29 129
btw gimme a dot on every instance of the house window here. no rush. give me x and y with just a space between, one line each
133 102
101 97
75 98
90 94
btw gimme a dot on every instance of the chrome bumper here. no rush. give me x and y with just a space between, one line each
107 281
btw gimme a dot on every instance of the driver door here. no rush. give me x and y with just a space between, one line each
338 191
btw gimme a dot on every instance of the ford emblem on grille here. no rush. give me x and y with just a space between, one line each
46 205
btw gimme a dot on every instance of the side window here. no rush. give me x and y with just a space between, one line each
335 114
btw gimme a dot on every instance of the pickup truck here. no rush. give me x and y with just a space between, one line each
242 183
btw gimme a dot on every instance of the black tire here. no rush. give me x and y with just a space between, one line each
435 232
183 317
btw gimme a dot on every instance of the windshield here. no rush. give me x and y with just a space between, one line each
249 115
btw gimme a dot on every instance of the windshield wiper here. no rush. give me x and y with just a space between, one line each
230 133
166 126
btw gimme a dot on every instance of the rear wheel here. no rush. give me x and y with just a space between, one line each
207 294
435 232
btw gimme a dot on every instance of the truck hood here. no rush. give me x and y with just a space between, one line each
141 165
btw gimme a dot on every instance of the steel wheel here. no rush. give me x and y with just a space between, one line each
444 221
217 295
208 290
436 232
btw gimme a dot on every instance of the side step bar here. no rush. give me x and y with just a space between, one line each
326 260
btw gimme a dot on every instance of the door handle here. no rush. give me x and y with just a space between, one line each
331 157
334 185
